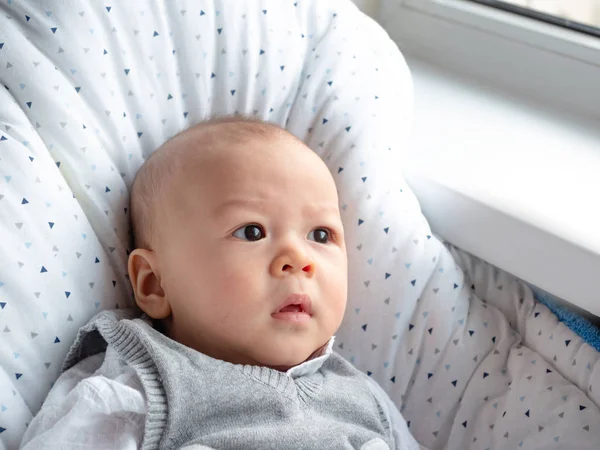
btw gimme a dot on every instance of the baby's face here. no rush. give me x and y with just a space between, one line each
252 229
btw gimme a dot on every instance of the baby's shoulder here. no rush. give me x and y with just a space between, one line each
337 363
100 392
108 364
340 366
102 375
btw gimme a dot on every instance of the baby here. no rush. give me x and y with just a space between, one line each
240 270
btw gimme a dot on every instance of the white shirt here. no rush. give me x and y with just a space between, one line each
98 404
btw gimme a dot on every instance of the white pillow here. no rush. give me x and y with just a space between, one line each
93 90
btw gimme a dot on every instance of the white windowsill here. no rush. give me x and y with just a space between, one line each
511 181
521 55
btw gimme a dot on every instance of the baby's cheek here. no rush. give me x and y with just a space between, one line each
339 294
192 274
232 281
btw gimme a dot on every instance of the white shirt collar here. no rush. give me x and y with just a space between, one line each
312 365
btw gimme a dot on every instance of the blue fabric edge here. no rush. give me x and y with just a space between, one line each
578 324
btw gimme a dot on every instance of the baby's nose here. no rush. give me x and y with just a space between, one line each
292 262
309 268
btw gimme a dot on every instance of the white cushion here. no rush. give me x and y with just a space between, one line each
93 90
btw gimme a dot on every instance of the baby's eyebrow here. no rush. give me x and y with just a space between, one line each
325 209
238 203
258 204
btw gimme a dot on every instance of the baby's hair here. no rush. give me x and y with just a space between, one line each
152 181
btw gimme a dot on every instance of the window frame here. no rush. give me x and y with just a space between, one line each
527 57
507 5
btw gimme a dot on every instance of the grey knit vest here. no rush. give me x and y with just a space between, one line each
194 399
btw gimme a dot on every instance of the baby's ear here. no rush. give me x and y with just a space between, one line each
145 281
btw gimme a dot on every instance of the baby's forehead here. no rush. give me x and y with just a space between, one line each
224 151
202 152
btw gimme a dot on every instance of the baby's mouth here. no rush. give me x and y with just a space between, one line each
296 308
292 308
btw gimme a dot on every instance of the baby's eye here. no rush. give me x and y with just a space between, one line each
250 232
321 235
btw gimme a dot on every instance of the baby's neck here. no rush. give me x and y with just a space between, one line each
162 327
318 352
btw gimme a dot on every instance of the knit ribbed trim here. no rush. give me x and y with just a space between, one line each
383 417
129 347
300 383
309 388
273 378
